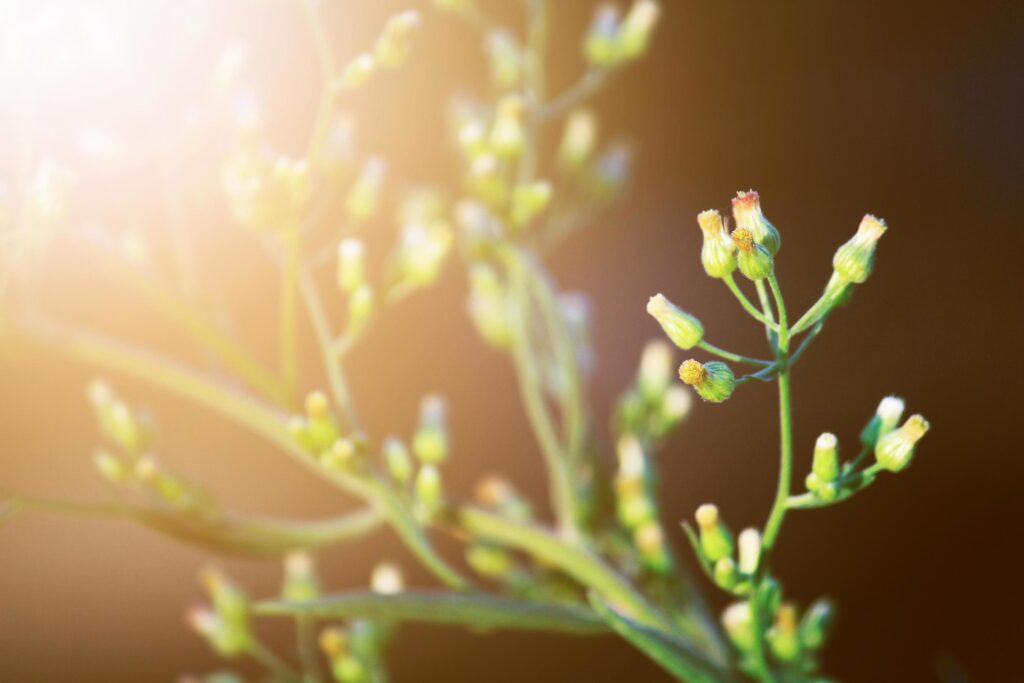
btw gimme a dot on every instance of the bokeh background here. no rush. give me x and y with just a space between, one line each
830 109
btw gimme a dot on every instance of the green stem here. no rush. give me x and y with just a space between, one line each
272 663
328 93
591 82
735 357
305 638
329 350
289 314
757 315
778 512
766 306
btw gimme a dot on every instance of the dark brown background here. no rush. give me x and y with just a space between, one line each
830 109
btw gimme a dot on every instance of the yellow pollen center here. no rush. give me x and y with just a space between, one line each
743 239
692 373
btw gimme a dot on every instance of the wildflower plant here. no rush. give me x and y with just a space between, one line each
606 561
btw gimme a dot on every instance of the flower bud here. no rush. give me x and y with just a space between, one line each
421 253
486 180
826 458
428 486
578 140
506 59
738 621
726 576
489 560
782 636
111 467
360 308
853 261
637 28
321 430
300 582
746 211
357 72
529 201
487 306
600 46
507 135
611 172
683 329
392 47
713 381
749 550
430 443
351 265
341 455
397 460
885 419
895 450
364 195
387 579
230 632
675 405
650 543
656 368
715 538
753 259
718 253
815 624
333 642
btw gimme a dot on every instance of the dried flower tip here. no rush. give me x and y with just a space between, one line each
684 330
749 542
713 381
783 635
578 140
753 259
854 260
493 491
895 450
718 252
637 28
387 579
746 211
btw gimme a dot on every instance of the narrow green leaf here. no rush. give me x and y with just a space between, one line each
472 610
673 654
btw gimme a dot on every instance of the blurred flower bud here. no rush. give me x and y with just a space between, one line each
357 72
749 543
421 253
472 138
753 259
392 47
397 460
428 487
485 180
675 405
713 381
507 135
300 582
885 419
715 539
364 195
453 6
111 467
387 579
497 493
430 444
746 211
321 431
487 307
683 329
578 140
489 560
611 172
360 308
738 622
506 59
657 367
853 261
529 201
650 543
895 450
782 636
351 265
815 624
637 28
725 574
600 46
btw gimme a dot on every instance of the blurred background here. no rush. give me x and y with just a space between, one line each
911 111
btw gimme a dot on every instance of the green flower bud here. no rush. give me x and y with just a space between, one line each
507 135
600 46
853 261
489 560
578 140
826 458
360 308
637 28
487 306
749 550
351 265
357 72
300 582
506 59
529 201
397 459
738 621
486 181
683 329
754 260
387 579
725 574
815 624
650 542
421 253
885 419
746 211
393 45
712 381
430 443
895 450
715 538
783 637
227 628
428 486
111 467
364 194
718 254
634 506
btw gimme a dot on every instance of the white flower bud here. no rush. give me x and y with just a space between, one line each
578 140
854 260
637 28
749 543
895 450
387 579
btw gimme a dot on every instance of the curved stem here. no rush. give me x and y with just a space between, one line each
289 323
734 357
778 512
757 315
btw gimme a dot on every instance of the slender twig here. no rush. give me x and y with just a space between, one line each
730 282
735 357
589 84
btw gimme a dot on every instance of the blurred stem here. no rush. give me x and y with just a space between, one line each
536 48
591 82
328 93
277 667
305 638
330 351
289 313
